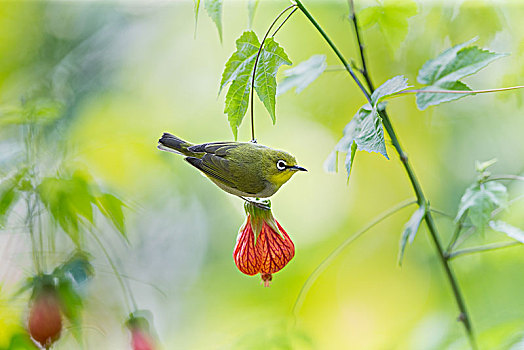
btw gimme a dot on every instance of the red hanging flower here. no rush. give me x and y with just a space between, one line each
141 331
140 340
45 319
263 246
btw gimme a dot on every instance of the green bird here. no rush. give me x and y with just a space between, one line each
245 169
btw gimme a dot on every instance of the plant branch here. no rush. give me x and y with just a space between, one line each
284 21
505 177
334 48
483 248
459 91
432 228
421 199
364 70
442 213
256 63
458 228
325 263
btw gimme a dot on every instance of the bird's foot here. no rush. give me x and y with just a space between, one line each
264 204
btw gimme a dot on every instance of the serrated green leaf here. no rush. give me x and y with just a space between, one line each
214 11
80 196
54 197
480 200
389 88
68 199
303 74
370 135
252 6
444 72
111 208
511 231
391 16
364 133
238 72
7 198
410 231
271 58
9 193
430 71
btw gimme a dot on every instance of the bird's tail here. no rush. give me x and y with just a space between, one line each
171 143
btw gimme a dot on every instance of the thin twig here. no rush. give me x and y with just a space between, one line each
364 70
505 177
440 212
133 279
335 49
483 248
458 228
459 91
256 63
325 263
284 21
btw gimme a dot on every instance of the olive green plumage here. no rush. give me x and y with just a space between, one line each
241 168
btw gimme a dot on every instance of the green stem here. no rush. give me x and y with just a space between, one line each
128 296
483 248
325 263
442 213
456 233
30 226
458 91
334 48
256 63
421 199
505 177
432 228
364 70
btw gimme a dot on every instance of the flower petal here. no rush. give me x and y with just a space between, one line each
245 254
273 250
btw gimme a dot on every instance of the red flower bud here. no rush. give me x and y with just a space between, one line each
140 340
45 319
263 246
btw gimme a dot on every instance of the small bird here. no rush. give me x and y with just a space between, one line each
244 169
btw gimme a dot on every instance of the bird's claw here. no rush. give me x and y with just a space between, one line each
259 203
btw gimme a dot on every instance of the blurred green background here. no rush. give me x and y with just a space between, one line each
124 72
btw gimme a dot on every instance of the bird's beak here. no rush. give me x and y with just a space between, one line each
297 168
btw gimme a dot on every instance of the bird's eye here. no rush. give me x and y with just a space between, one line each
281 165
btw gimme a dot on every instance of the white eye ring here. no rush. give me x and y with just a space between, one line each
281 165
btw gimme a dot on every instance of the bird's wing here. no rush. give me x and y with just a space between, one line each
219 168
215 167
218 148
